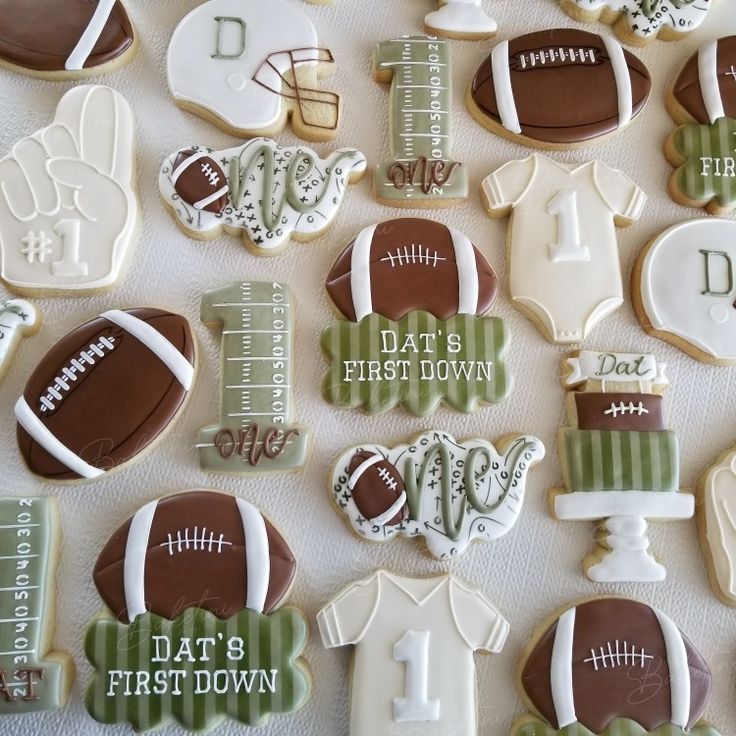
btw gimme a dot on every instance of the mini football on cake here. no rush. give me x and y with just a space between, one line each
705 89
377 488
611 658
558 88
105 392
199 181
418 264
65 39
198 549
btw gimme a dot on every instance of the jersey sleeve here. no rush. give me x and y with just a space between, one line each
624 198
477 619
346 618
505 187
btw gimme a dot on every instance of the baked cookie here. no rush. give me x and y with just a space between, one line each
255 433
717 524
104 393
619 461
703 148
193 581
413 293
68 210
420 171
558 89
250 72
72 40
562 251
682 288
413 670
32 676
654 679
460 19
451 493
266 193
18 319
639 22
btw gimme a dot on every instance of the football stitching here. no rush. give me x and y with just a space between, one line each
198 541
558 56
621 408
210 173
69 373
608 657
385 475
404 257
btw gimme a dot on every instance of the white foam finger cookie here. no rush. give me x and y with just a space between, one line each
249 72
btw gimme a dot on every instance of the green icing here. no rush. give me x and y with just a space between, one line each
254 433
599 460
219 53
619 727
416 362
31 677
709 170
651 7
707 256
199 669
420 109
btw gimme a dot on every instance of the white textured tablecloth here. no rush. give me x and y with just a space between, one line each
527 573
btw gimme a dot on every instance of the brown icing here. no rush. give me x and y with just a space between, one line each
216 582
561 102
118 406
640 412
600 696
40 35
192 187
427 174
374 499
399 290
689 92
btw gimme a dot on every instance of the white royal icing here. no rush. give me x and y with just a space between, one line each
134 566
568 296
560 673
708 76
222 45
688 286
91 35
679 679
502 86
17 318
647 18
257 557
281 191
640 368
623 80
414 642
461 16
41 434
182 369
67 207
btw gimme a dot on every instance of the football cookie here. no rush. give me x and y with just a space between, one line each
562 251
654 679
255 433
639 22
104 393
77 38
703 148
413 670
193 581
561 88
420 171
683 291
413 292
451 493
68 212
33 677
460 19
264 192
250 72
18 319
619 461
717 524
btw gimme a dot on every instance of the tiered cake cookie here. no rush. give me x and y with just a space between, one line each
619 461
413 293
193 582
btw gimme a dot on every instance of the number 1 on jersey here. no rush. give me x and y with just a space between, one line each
564 206
413 650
